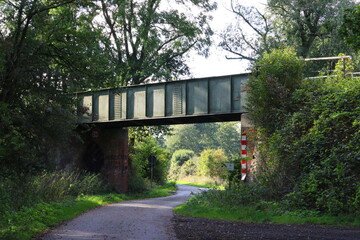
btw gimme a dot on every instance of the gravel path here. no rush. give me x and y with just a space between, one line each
140 219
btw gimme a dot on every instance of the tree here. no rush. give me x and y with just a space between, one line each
28 85
278 74
142 133
198 137
229 139
179 157
140 163
46 52
52 48
147 40
242 45
308 132
195 137
18 43
311 27
350 27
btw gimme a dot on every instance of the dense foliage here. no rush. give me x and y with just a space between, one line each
49 49
277 75
308 149
212 163
350 27
209 165
201 150
309 144
325 145
141 172
199 137
179 157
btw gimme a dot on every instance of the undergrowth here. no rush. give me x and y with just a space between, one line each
248 204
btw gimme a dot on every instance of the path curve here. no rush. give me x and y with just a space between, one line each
139 219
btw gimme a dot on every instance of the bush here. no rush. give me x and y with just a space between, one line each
140 164
190 167
138 184
315 152
278 75
179 157
212 163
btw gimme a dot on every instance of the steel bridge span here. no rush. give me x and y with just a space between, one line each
213 99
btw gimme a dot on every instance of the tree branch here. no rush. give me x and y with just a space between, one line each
112 29
247 21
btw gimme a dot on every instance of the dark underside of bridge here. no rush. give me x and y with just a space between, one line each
169 120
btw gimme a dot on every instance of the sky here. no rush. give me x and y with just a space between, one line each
217 64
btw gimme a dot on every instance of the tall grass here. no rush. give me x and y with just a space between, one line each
61 184
22 191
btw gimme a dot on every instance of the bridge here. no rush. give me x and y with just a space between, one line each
104 149
213 99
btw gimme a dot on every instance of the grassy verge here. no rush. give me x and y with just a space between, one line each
162 191
201 181
261 212
31 221
204 185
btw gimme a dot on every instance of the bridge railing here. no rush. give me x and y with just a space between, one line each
194 97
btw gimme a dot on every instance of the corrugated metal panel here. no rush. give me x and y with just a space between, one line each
155 101
177 100
140 104
123 105
103 107
118 106
158 103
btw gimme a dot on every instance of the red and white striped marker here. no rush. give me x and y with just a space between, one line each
243 155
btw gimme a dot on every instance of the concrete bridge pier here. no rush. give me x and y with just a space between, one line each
113 144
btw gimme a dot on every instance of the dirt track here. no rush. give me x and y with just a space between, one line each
140 219
204 229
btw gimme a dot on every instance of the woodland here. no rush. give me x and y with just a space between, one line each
306 114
